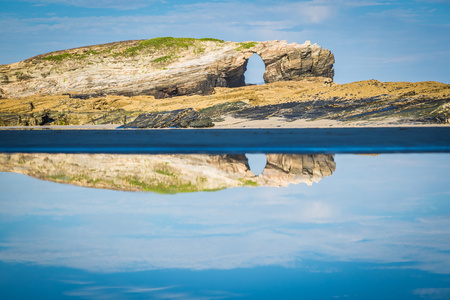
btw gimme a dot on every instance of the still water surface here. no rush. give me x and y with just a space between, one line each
355 227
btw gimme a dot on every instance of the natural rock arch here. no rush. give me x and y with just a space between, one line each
282 62
292 61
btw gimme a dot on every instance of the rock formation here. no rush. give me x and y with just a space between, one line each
168 173
161 67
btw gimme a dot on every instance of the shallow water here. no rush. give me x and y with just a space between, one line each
378 227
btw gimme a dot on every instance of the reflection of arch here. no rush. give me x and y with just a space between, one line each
254 69
256 162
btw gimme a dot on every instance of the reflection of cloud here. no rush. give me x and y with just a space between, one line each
114 292
387 215
130 292
77 282
433 293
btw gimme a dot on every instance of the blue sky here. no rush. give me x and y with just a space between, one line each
371 39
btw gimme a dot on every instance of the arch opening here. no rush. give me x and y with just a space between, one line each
255 69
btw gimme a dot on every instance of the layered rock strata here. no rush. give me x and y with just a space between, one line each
162 67
168 173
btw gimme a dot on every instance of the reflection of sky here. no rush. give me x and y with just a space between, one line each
384 209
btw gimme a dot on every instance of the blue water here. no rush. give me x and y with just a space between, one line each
377 228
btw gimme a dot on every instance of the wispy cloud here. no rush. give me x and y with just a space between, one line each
408 58
114 4
405 14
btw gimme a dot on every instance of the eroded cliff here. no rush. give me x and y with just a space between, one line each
161 67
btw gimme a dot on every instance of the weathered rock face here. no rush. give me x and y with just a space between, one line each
168 173
161 67
293 62
181 118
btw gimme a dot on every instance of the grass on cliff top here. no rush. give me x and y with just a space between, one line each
174 44
61 57
244 46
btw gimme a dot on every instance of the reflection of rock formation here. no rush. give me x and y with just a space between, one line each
283 169
168 173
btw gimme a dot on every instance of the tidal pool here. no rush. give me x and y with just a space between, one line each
308 227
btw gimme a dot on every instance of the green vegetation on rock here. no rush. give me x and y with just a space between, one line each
175 44
247 182
211 40
159 43
165 172
247 45
163 59
63 56
164 188
58 58
60 177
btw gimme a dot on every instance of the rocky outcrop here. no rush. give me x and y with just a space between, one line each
181 118
168 173
294 62
162 67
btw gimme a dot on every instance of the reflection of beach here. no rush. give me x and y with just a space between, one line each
168 173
